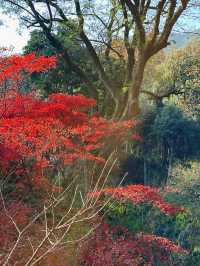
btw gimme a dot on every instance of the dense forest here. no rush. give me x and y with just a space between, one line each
100 134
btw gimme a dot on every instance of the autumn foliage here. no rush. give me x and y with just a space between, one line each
138 194
39 136
13 68
44 134
116 246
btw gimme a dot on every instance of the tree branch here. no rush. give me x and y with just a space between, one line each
138 21
93 53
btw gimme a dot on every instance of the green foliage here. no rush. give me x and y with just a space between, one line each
192 259
175 131
62 78
169 226
185 177
134 218
144 218
176 75
169 138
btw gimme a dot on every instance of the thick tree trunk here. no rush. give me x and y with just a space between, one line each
132 106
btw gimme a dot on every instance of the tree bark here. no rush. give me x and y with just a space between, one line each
132 106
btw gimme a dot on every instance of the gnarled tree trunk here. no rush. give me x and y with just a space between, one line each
131 105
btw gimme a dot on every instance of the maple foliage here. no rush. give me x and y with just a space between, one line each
138 194
51 132
14 67
38 134
116 246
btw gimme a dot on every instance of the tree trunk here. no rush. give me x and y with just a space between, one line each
132 106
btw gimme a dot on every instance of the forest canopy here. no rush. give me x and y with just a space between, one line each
99 134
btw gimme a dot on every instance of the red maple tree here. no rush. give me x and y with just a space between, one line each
39 135
116 246
138 194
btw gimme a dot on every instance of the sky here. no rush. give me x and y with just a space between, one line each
14 36
10 35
